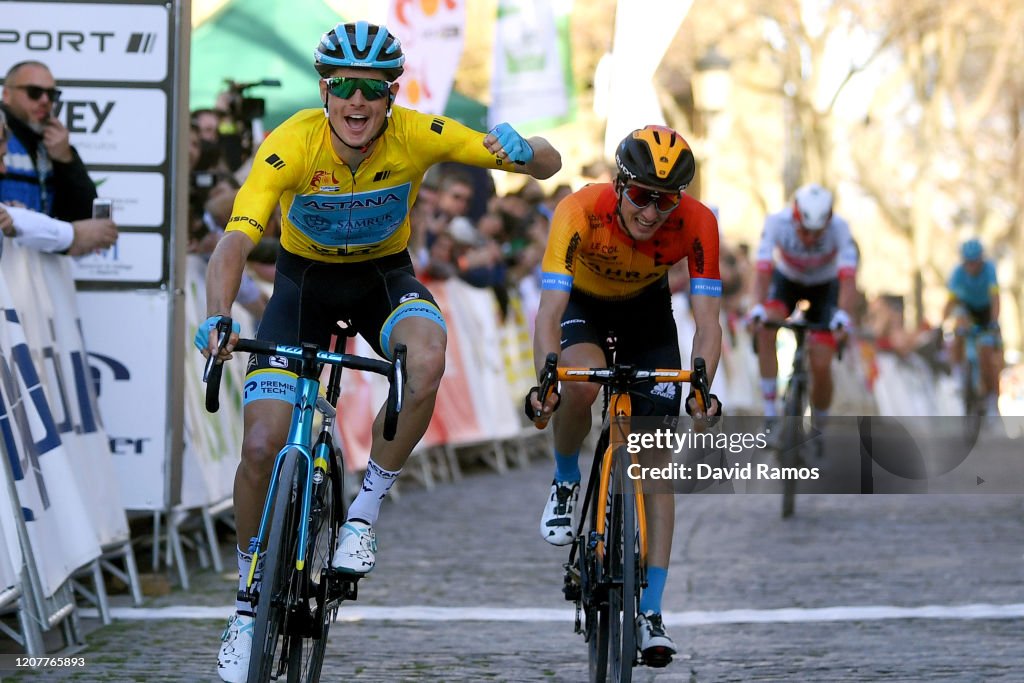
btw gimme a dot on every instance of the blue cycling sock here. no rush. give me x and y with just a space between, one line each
567 467
650 601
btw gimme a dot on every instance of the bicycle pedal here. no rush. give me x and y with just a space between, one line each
571 587
656 657
341 585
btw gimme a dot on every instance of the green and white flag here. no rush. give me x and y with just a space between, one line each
532 77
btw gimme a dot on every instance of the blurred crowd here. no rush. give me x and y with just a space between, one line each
463 228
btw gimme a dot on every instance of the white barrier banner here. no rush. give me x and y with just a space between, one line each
57 518
473 312
118 65
128 335
432 34
213 442
42 289
10 549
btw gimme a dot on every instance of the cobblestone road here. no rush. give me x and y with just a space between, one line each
475 543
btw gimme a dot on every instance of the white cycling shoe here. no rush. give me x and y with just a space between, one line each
235 649
357 548
561 517
654 644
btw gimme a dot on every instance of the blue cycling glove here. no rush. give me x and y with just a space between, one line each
202 338
517 149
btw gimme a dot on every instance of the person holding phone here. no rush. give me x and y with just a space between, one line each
44 172
36 230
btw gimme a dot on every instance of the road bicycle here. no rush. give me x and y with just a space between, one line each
300 594
607 564
794 435
972 385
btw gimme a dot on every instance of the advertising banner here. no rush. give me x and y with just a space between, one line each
432 34
118 67
531 65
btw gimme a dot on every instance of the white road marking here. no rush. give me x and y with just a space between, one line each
690 618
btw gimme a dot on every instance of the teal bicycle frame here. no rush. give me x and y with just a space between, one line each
300 433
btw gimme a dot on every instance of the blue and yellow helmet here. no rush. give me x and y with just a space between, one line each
360 45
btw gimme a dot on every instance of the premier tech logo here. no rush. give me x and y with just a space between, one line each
80 42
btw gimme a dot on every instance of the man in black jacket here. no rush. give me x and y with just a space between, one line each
44 172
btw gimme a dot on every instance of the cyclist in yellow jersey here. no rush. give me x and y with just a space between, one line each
346 177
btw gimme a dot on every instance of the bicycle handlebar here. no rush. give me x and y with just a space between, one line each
620 377
797 326
394 371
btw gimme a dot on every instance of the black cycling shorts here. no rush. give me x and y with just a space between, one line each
645 334
309 299
823 298
981 317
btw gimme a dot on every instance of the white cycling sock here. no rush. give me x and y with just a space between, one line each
819 418
244 563
376 483
769 390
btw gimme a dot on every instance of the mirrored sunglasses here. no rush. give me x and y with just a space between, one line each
35 92
345 87
641 198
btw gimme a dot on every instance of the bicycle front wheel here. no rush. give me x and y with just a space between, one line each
789 443
594 578
306 648
621 563
278 570
974 408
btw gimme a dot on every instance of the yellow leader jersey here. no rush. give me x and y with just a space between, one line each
330 213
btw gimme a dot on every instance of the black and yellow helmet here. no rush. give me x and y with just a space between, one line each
656 156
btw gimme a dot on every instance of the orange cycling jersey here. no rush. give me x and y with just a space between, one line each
330 213
588 250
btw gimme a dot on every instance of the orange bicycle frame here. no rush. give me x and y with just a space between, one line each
620 409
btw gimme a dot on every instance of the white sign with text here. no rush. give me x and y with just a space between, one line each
138 197
87 42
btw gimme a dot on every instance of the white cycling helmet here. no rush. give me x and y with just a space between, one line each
812 207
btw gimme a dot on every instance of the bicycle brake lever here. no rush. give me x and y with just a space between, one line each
548 379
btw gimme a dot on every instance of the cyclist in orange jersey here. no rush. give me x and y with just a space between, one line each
605 269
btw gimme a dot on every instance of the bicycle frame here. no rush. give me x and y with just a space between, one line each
620 409
307 400
300 433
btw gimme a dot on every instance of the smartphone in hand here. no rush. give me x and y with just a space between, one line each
102 208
